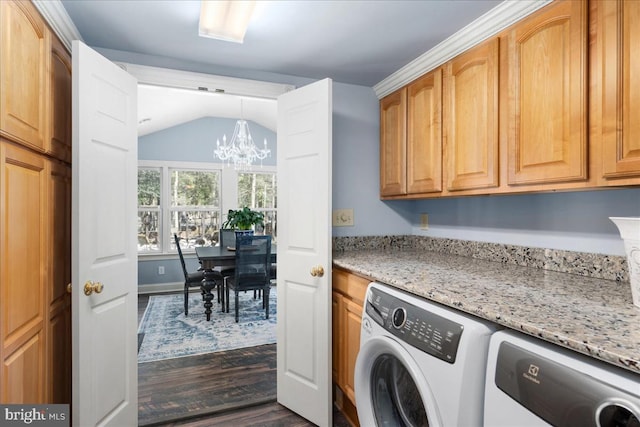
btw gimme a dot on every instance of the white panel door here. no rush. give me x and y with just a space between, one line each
304 243
104 252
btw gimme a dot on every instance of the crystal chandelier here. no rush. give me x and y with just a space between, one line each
241 150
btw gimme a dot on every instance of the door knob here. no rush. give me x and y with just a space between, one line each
317 271
69 288
91 287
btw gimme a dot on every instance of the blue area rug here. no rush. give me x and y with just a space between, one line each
168 333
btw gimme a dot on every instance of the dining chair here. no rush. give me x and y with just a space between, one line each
227 240
190 279
252 270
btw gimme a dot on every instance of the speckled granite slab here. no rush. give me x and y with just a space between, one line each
593 316
608 267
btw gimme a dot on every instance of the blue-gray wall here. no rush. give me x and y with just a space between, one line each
576 221
195 141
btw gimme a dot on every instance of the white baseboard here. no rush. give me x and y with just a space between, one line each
160 287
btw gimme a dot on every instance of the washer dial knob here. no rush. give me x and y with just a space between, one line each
399 317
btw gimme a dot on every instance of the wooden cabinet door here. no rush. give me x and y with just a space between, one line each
24 189
352 321
547 57
620 34
424 134
348 298
60 275
24 84
60 111
393 154
336 316
471 118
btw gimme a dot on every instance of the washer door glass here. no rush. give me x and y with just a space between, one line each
395 397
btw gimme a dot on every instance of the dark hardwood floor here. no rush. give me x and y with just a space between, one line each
235 388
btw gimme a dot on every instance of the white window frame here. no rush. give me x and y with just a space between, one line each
261 171
228 195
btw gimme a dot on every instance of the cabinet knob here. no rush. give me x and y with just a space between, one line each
91 287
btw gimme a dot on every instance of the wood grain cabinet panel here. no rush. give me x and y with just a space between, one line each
471 118
60 112
348 297
24 190
393 118
24 86
547 56
352 322
336 336
59 303
35 209
619 29
424 134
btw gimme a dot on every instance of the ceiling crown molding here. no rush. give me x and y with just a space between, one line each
489 24
58 19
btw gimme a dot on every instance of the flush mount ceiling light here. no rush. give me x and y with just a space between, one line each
225 20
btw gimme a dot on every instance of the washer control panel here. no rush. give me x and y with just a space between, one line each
418 327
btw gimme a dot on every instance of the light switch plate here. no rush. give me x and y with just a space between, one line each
342 217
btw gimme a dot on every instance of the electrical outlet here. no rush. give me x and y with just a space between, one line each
342 217
424 221
161 269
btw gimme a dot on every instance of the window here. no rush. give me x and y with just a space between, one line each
190 200
258 190
194 214
184 201
149 218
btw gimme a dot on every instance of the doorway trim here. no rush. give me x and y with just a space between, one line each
204 82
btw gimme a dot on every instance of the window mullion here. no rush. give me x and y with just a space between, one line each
166 205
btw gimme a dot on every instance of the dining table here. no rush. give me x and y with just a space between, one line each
211 257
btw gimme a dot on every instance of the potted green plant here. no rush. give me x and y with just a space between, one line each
243 219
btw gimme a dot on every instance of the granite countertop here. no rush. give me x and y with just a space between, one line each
593 316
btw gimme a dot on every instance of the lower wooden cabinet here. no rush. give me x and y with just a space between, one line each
348 297
35 250
59 298
23 272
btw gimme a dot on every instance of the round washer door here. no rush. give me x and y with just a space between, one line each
390 388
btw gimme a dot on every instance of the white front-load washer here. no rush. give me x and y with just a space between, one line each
420 364
531 383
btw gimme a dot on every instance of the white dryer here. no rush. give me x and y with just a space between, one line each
531 383
420 364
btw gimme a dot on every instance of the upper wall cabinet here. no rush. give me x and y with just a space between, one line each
411 138
618 67
471 118
393 118
424 134
547 87
551 103
24 86
61 101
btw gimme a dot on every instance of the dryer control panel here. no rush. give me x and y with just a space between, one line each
418 327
